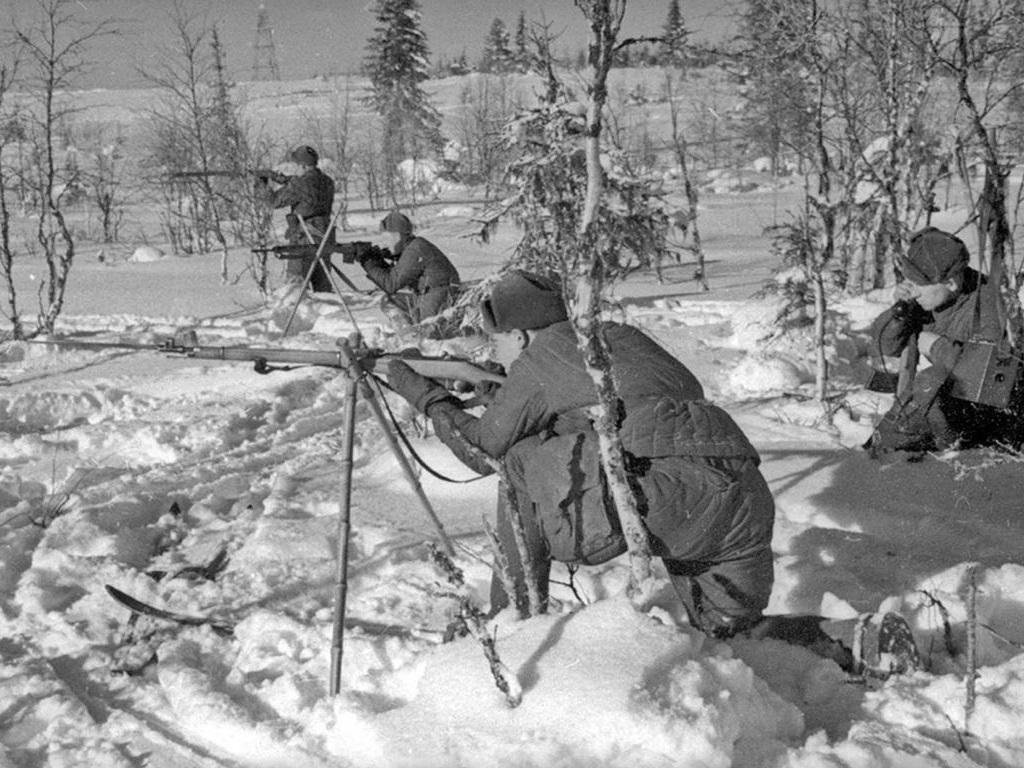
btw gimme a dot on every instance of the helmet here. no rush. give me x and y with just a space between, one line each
305 155
396 222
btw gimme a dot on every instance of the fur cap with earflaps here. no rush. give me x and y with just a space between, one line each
522 301
396 222
935 256
305 155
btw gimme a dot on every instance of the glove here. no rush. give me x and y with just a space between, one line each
421 392
372 255
485 391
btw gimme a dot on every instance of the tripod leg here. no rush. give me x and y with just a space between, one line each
396 449
329 269
316 261
344 527
305 283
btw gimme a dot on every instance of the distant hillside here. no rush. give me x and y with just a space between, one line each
300 111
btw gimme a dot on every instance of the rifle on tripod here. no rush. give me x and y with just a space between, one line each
265 359
356 364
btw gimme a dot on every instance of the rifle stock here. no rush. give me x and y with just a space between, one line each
451 369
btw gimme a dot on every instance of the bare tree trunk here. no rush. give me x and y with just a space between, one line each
682 158
821 361
6 253
605 17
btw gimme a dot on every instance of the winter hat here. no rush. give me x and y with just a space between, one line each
934 256
305 156
396 222
522 301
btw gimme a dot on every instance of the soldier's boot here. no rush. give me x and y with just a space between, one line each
904 428
884 647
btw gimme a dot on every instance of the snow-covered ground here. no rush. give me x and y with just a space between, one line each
118 464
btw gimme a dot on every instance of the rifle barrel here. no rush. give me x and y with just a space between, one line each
454 369
271 355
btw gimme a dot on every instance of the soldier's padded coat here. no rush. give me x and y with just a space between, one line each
670 432
972 314
309 195
421 268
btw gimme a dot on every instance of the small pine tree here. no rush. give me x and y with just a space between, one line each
497 57
396 63
673 46
461 66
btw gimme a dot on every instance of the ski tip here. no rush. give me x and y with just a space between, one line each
115 593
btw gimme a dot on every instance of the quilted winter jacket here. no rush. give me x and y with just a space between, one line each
421 266
548 393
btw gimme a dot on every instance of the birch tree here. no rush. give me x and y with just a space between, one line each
8 135
983 57
587 282
54 48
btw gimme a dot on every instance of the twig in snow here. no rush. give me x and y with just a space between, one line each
476 624
500 566
1001 636
972 642
571 584
959 736
947 630
534 604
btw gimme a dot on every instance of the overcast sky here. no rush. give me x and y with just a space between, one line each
314 37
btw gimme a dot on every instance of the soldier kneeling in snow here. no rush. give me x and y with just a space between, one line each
420 282
966 396
695 475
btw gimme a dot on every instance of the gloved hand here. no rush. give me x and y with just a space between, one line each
421 392
485 391
371 255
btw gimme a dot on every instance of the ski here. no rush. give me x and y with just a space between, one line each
133 604
226 628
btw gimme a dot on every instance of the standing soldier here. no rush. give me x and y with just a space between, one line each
420 267
310 196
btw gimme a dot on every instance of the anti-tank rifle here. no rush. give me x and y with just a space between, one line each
358 361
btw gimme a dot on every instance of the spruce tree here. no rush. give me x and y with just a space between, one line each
397 65
522 54
673 46
497 56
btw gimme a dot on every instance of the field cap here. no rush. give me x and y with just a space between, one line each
305 155
935 256
522 301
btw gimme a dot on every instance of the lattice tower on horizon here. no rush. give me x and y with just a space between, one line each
265 59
